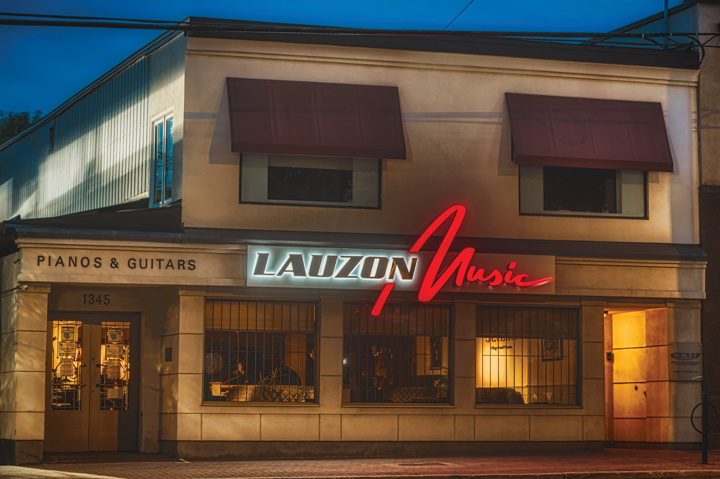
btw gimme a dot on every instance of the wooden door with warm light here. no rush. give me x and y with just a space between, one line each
626 401
91 399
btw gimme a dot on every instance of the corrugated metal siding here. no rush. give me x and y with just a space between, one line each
102 153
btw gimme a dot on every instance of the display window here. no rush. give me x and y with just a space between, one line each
260 351
66 372
526 356
401 356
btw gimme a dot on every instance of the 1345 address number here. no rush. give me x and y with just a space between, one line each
98 299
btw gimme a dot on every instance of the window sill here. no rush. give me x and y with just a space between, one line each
577 214
163 204
527 406
258 404
397 405
309 204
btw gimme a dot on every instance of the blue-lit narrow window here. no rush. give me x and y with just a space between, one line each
167 170
162 161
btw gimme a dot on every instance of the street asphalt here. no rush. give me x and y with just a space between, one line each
596 464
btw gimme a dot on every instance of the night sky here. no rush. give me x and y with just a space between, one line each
40 67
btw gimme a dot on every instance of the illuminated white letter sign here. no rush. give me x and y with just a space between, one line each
413 270
272 266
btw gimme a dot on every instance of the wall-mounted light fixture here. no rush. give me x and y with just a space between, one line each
20 287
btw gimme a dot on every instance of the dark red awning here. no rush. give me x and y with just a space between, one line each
315 119
588 133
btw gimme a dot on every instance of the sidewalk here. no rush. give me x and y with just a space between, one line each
603 464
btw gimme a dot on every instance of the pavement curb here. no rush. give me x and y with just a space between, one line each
709 474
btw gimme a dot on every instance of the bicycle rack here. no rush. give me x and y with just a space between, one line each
705 429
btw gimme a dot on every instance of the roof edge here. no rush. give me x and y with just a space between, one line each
114 71
395 40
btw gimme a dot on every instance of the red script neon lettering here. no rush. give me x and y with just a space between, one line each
460 266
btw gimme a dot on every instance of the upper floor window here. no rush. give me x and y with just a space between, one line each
311 143
586 156
283 179
51 140
582 191
163 161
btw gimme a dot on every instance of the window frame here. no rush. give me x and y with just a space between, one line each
580 214
579 378
314 204
161 119
450 357
317 353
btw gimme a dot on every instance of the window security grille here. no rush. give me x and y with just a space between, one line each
401 356
526 355
260 351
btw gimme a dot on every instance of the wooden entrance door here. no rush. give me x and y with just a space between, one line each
91 400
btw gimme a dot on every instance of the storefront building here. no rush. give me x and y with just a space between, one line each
304 246
703 16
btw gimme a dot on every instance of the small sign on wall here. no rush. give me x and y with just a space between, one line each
685 362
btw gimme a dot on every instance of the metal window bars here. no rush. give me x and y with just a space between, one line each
401 356
260 351
526 355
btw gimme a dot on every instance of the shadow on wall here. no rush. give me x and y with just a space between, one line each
221 144
101 154
682 198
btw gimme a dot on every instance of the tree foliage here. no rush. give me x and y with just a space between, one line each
12 124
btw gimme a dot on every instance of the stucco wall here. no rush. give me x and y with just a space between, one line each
457 134
185 418
173 317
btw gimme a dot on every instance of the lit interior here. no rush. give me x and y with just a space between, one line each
66 369
526 371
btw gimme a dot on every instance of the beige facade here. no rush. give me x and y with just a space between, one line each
458 140
172 310
634 305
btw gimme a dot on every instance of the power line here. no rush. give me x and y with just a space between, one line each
456 16
253 27
75 17
690 41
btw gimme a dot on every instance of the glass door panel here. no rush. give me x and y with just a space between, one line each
115 365
66 403
91 400
66 361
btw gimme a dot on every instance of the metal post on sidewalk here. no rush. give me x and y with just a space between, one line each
705 428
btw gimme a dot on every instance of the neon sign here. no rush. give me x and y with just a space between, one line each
431 284
428 273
